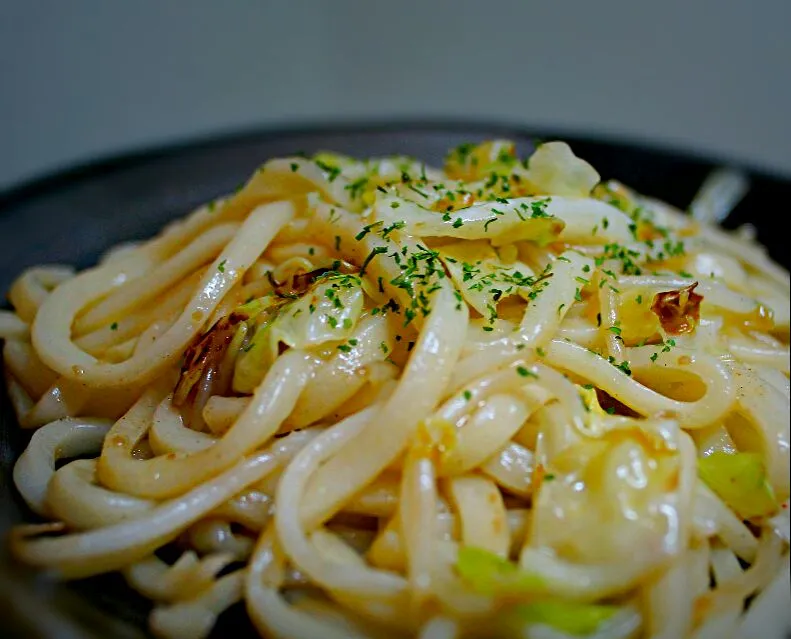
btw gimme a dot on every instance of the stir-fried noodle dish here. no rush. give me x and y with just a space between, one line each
373 398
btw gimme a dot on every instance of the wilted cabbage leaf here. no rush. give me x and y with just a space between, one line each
554 169
482 277
739 479
567 616
490 574
612 494
327 312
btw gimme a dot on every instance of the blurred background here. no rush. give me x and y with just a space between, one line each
86 78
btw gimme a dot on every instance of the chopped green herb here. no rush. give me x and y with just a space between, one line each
417 190
674 249
393 227
377 250
357 187
367 229
539 208
524 372
625 255
331 171
623 366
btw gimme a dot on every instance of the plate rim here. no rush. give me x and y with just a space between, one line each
126 155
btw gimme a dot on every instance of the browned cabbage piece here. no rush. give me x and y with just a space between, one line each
205 355
678 310
203 358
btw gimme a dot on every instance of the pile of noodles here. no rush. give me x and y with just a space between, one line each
378 399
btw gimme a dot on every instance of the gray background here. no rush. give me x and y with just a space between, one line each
83 78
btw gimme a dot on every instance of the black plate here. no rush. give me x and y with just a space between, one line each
73 216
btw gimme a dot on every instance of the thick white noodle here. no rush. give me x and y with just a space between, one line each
68 437
52 328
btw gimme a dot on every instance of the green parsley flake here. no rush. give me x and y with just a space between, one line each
332 171
623 366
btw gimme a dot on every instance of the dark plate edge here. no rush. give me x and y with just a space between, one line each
107 163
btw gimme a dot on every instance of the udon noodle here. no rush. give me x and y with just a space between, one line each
378 399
